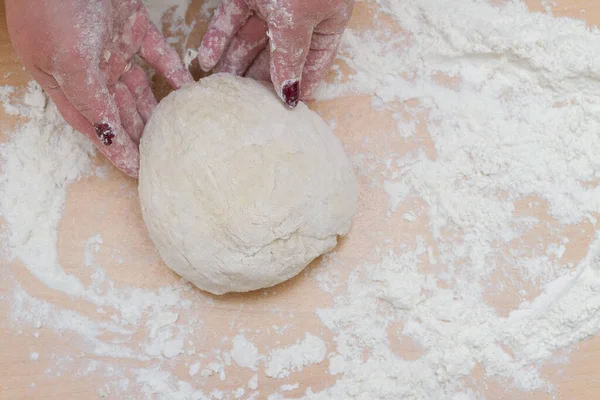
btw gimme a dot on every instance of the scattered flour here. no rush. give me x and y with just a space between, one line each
194 369
285 360
239 393
172 348
244 353
176 9
511 105
253 382
337 365
290 387
189 56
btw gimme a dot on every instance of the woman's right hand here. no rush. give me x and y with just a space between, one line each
81 51
292 43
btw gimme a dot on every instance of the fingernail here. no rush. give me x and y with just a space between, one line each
205 67
290 92
104 133
205 59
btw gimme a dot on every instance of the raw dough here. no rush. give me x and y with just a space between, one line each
239 193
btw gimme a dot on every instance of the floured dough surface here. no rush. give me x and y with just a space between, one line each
239 193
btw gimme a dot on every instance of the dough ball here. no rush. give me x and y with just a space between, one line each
239 193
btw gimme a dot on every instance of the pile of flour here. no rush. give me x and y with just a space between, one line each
497 113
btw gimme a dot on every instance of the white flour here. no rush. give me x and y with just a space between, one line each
244 353
283 361
514 131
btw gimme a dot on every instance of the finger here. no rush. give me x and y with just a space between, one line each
130 119
163 58
116 65
86 91
131 31
126 158
261 67
322 53
137 83
249 41
289 48
228 18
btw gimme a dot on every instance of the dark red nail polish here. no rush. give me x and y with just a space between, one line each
290 92
104 133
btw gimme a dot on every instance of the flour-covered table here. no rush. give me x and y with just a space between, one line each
470 271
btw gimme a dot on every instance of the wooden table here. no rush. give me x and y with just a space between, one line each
91 209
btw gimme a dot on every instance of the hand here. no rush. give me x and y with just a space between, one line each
80 52
304 36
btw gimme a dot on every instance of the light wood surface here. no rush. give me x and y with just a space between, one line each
110 207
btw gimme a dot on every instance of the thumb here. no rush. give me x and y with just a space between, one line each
289 49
